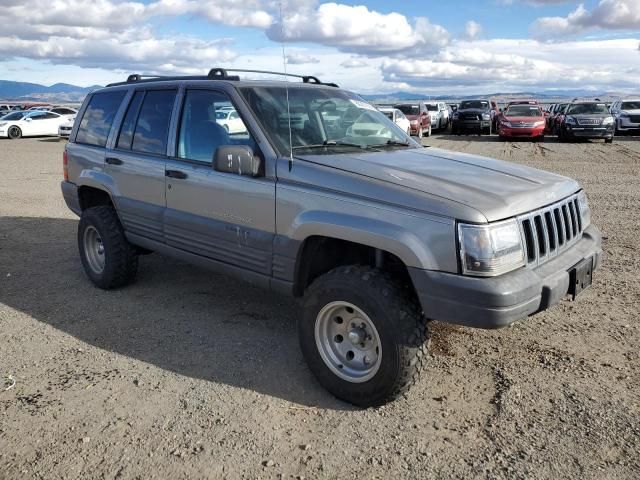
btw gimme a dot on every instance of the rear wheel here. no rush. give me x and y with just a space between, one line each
14 132
109 260
363 336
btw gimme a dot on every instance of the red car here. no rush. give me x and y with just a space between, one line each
418 116
523 120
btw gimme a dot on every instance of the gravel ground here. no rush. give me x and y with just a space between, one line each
187 374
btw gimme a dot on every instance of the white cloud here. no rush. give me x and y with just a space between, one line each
608 14
295 58
353 63
358 29
472 29
501 65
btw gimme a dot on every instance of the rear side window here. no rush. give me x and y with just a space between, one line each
98 118
129 123
152 127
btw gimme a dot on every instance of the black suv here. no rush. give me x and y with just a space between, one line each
590 119
474 115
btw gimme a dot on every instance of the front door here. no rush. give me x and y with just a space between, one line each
222 216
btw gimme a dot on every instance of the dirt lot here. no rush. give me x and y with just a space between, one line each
187 374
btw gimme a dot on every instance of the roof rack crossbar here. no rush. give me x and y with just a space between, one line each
218 74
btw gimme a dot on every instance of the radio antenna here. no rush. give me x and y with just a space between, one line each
286 86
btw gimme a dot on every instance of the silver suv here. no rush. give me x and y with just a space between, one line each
320 196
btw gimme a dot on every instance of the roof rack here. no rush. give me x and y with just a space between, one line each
217 74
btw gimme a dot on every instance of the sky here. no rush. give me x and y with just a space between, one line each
374 46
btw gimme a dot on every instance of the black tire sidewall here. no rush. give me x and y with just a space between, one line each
377 308
14 137
92 217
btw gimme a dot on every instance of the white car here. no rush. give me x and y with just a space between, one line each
398 118
64 130
439 113
230 120
627 114
34 123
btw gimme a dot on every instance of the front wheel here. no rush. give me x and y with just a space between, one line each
420 133
363 336
109 260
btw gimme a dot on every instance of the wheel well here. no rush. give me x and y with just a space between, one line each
93 197
318 255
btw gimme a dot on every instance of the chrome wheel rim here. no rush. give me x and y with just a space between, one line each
348 342
94 249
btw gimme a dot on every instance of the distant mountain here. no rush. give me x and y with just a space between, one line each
61 92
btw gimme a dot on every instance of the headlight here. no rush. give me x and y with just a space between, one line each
486 116
2 124
570 120
506 124
490 250
539 124
607 121
585 211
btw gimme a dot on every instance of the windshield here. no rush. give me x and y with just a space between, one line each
322 120
630 105
432 108
409 109
523 111
474 104
587 108
13 116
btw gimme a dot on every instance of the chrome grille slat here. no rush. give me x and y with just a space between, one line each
548 231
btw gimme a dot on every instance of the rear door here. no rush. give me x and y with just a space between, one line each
136 161
226 217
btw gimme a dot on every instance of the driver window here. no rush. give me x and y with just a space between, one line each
206 124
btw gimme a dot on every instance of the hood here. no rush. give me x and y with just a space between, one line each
490 189
473 110
523 119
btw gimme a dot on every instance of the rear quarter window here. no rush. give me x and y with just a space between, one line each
98 118
152 127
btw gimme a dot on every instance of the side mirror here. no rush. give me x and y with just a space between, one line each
238 159
28 119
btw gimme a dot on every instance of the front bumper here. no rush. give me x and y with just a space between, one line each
589 132
470 124
521 132
499 301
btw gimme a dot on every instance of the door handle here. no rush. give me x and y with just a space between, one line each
113 161
175 174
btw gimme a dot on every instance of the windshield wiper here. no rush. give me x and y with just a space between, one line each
332 143
393 143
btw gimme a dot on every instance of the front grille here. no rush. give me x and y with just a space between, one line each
589 121
551 230
522 124
471 117
634 118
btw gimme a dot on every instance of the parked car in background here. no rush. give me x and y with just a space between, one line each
586 119
418 116
399 118
627 114
64 130
439 115
8 108
230 121
64 111
552 120
523 121
453 107
472 115
35 123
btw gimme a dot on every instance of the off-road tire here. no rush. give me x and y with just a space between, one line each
14 132
121 258
398 318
